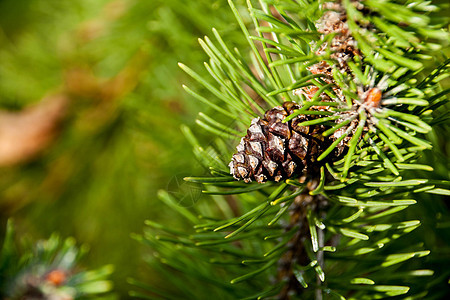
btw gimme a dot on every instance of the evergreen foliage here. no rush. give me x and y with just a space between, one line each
370 225
91 107
48 270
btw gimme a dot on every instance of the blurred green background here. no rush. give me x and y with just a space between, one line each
91 105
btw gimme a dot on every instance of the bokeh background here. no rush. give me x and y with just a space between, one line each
91 106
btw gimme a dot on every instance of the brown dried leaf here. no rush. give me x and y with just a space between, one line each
24 134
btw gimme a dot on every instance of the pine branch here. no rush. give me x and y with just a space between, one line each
330 217
48 269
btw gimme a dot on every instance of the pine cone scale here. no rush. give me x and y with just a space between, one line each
273 150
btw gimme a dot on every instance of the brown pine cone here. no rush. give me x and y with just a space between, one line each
273 150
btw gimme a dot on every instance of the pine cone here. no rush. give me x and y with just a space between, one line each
273 150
